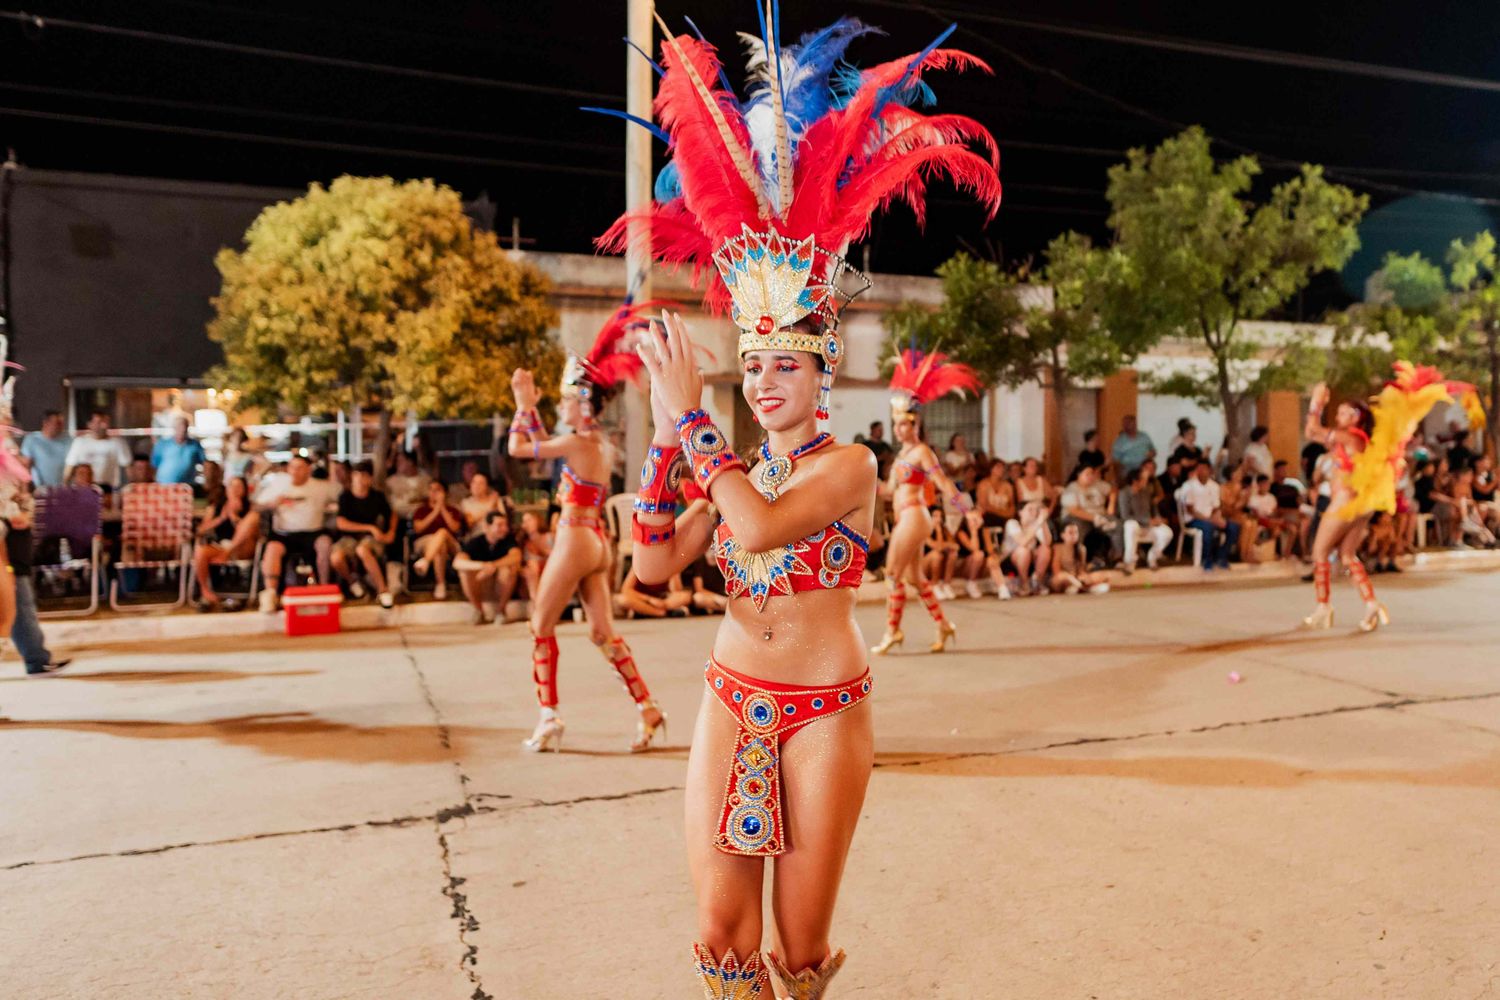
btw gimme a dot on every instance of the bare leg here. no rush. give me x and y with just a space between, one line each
373 570
205 556
270 565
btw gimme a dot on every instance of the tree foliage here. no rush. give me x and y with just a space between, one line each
1205 257
377 294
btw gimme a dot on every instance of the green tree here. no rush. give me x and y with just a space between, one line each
378 295
1468 341
1205 258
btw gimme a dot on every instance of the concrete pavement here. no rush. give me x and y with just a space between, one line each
1075 803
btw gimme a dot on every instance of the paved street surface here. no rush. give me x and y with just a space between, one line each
1074 804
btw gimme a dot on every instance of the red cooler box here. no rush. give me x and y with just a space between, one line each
312 610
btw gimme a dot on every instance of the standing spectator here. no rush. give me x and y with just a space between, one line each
489 565
25 630
1200 498
407 486
876 442
45 452
239 460
299 511
1460 456
228 530
1132 449
1092 456
176 459
1069 559
1258 453
1187 450
996 496
1311 452
1183 426
1089 502
1140 510
958 461
366 525
480 503
436 527
107 456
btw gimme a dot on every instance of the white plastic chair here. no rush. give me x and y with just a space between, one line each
1184 530
618 510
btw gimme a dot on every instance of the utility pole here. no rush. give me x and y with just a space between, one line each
637 410
7 188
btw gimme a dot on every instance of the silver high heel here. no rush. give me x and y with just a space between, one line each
1321 618
547 736
644 734
887 641
1374 618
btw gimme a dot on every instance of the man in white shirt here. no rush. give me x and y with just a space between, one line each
1202 510
407 486
298 506
109 457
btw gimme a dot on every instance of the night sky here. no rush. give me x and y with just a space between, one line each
538 157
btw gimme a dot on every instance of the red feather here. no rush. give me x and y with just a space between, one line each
612 359
931 376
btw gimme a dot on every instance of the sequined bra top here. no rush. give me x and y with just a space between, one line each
909 475
572 491
825 560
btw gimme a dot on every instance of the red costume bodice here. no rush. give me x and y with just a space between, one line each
825 560
575 492
1341 456
909 475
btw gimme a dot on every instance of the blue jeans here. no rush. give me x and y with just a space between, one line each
26 633
1217 542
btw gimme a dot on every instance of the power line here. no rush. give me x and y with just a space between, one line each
1171 43
275 140
41 23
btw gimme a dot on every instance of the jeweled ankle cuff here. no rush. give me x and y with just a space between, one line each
706 448
661 475
809 984
729 980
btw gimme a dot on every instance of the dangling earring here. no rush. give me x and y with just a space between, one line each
824 391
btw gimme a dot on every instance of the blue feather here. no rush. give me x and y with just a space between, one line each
613 113
647 56
901 87
668 184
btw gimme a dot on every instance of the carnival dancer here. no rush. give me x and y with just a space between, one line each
769 193
582 553
918 380
15 489
1367 444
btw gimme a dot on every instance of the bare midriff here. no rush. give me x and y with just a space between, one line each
813 640
907 495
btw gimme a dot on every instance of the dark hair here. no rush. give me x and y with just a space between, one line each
1262 478
1366 421
1246 480
875 423
1279 463
365 466
954 437
51 413
1259 432
438 481
1090 433
99 412
495 515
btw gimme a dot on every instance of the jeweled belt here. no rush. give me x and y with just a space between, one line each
752 821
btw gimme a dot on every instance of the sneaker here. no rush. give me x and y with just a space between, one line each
386 600
421 566
1152 563
357 591
1003 593
1128 568
440 592
49 668
1099 588
973 588
268 601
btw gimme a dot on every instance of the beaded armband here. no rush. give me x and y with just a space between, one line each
705 448
525 422
651 534
661 475
961 503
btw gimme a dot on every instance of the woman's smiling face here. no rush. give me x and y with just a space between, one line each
781 387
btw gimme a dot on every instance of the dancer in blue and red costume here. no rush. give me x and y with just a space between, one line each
762 198
582 554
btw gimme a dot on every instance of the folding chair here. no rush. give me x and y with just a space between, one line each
156 532
249 568
71 515
618 510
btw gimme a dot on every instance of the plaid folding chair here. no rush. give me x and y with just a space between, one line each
70 516
156 532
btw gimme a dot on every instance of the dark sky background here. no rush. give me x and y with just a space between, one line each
560 171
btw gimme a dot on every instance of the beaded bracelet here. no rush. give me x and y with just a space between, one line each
651 534
705 448
525 422
661 474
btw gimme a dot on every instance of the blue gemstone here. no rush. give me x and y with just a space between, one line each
866 686
844 698
817 703
719 682
751 826
760 713
789 709
740 696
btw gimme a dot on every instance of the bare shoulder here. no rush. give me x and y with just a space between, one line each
853 461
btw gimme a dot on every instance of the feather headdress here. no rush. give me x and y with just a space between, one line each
612 359
920 378
769 193
1399 408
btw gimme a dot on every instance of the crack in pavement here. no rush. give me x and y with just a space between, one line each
616 797
467 923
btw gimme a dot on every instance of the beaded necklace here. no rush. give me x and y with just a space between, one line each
774 470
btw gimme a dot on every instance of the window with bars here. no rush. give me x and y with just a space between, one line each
943 418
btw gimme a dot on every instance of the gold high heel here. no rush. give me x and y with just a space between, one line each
946 633
644 734
547 736
1374 618
1322 617
887 641
809 984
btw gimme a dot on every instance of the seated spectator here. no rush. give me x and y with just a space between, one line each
1460 455
1027 546
1070 572
958 461
1258 453
1091 457
1234 492
939 555
654 600
1444 505
229 530
1168 483
299 505
481 502
213 482
1139 507
459 492
366 527
140 472
489 566
536 547
1471 526
1132 448
1031 486
407 486
1089 502
176 458
971 556
1187 451
1203 510
1265 508
45 452
1483 488
107 456
708 585
1292 504
436 527
995 496
82 475
341 472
